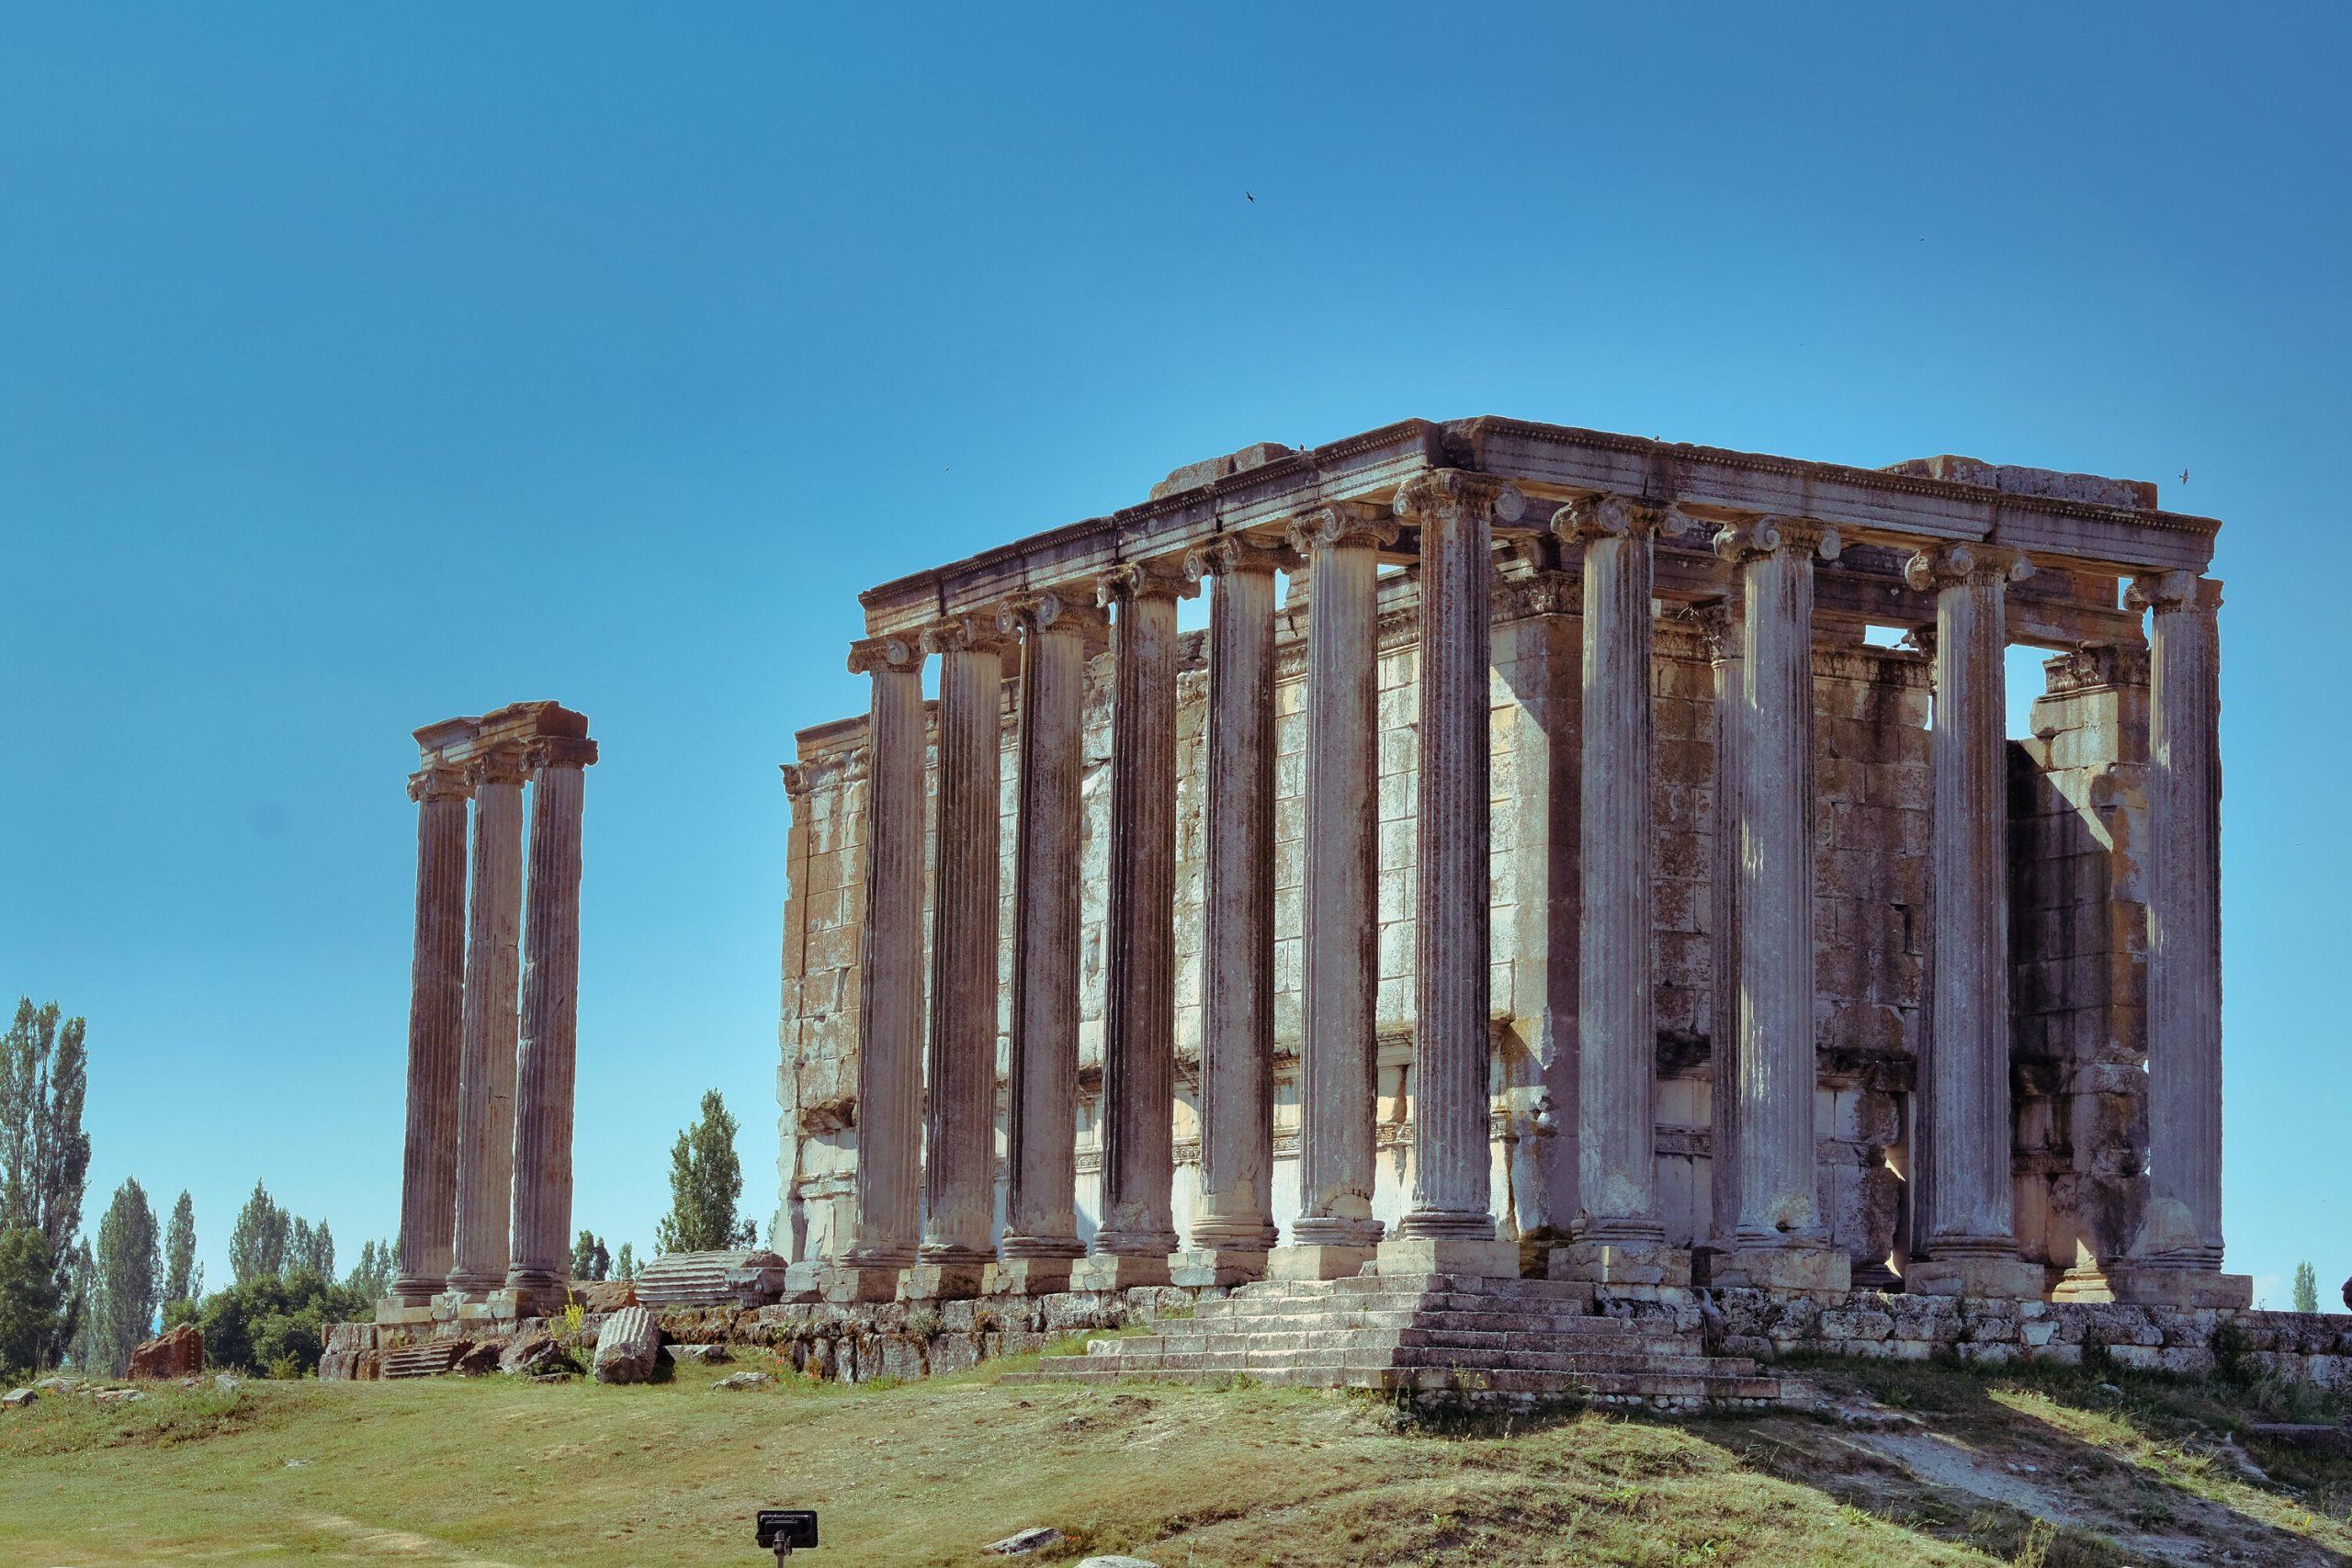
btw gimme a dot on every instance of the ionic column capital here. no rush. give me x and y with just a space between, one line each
439 781
1056 610
1232 553
874 655
1949 566
1346 522
1142 579
1446 492
2173 591
967 633
1616 517
505 762
1758 536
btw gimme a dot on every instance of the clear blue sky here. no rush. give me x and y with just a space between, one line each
365 364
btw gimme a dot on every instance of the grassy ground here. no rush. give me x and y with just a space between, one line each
2036 1467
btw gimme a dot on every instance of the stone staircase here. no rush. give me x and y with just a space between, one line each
429 1359
1493 1344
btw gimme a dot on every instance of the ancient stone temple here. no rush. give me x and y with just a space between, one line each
1559 856
486 1177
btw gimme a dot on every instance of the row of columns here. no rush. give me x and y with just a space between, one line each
1771 1227
486 1188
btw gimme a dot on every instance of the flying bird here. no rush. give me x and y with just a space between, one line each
2184 476
1246 197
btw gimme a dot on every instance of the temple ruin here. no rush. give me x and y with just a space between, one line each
486 1174
1606 864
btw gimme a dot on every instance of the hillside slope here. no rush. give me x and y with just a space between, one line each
1936 1466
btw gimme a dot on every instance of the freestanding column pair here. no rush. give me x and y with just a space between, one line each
486 1198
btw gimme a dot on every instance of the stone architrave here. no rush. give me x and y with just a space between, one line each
960 1141
1449 1228
486 1089
436 1031
1623 1240
1781 1241
1041 1198
2177 1257
1139 1231
890 980
1335 1232
540 1278
1970 1243
1234 1226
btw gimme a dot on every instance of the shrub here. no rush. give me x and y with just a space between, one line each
271 1321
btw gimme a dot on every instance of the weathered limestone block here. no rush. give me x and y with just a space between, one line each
628 1347
177 1353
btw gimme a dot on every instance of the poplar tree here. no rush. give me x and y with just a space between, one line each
2306 1288
44 1153
128 1287
257 1241
705 1179
183 1275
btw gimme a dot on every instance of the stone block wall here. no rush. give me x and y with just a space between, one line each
1871 862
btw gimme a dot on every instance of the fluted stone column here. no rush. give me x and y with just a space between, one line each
436 1029
1451 1226
1334 1233
1782 1241
540 1278
1722 626
1623 1241
486 1089
1137 1231
1971 1242
959 1172
2178 1256
1041 1200
890 980
1235 1224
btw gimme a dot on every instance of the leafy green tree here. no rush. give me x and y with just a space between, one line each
81 1349
625 1263
2306 1288
258 1242
127 1286
28 1299
44 1153
371 1277
589 1258
273 1323
183 1275
705 1179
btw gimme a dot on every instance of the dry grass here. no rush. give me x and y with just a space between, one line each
488 1470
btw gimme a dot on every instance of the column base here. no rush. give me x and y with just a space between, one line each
392 1311
843 1283
2003 1276
1812 1270
462 1306
941 1282
1025 1277
2142 1284
1217 1266
1487 1258
1619 1264
530 1300
1119 1271
1318 1260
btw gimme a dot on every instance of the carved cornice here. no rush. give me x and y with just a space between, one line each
875 655
1950 566
972 633
505 762
1231 553
2173 591
1349 524
1538 593
1057 610
1737 542
2096 668
561 752
1616 517
439 781
1142 579
1447 493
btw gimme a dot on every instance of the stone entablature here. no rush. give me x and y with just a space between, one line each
1811 1122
